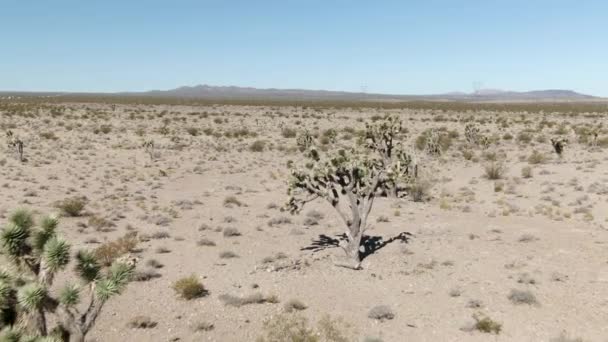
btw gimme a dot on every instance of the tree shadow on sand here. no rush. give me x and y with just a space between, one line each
370 244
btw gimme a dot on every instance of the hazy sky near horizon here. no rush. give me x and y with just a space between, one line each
399 47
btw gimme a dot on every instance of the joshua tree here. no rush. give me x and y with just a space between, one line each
558 145
15 143
304 141
36 255
471 134
382 138
354 177
149 148
433 146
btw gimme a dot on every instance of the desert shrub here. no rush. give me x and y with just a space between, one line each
190 288
100 224
294 305
228 255
537 158
145 275
72 206
467 154
288 132
486 324
231 232
193 131
420 189
295 328
524 137
494 170
278 221
232 200
50 135
203 326
526 172
205 242
257 146
522 297
141 322
108 252
255 298
381 313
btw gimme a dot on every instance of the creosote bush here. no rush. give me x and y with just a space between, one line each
486 324
494 170
72 206
190 288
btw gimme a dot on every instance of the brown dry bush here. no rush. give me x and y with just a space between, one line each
112 250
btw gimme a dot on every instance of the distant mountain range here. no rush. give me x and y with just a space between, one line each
490 95
205 92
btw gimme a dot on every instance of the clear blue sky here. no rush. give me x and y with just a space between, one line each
404 47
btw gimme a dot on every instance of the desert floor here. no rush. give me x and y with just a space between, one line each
473 240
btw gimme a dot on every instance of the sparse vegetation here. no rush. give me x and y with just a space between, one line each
190 288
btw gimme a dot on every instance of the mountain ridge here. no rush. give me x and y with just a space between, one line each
208 91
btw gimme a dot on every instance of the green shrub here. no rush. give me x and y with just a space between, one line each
190 288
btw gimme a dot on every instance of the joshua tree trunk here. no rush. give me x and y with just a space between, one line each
353 255
360 207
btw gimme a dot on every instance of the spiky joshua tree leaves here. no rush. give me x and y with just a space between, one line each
35 255
350 180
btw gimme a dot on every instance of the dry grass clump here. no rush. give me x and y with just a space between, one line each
468 154
112 250
420 190
231 201
228 255
537 158
486 325
278 221
190 288
494 170
288 132
72 206
522 297
313 217
294 305
100 224
257 146
526 172
295 328
381 313
255 298
203 326
141 322
205 242
193 131
231 232
145 275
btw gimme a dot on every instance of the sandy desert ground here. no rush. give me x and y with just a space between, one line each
527 251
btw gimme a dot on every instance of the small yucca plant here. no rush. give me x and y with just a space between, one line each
36 255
